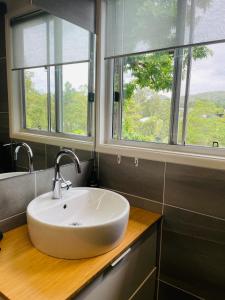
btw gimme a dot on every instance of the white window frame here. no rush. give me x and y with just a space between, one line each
189 155
15 107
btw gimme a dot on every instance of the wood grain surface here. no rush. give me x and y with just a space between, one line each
26 273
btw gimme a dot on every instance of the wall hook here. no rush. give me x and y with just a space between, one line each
136 162
119 158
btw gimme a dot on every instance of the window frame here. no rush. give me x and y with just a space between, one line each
174 111
171 153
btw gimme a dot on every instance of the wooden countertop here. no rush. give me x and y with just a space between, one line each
26 273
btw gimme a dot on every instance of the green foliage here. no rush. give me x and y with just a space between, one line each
206 123
154 71
36 105
146 117
74 108
146 108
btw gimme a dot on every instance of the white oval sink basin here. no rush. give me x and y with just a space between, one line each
86 222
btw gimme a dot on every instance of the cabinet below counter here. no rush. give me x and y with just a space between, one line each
26 273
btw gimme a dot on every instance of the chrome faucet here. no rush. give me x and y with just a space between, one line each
58 181
29 154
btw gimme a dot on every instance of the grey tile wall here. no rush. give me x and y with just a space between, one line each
17 192
168 292
193 253
145 181
197 189
51 152
192 199
3 85
144 203
5 159
3 11
4 128
14 196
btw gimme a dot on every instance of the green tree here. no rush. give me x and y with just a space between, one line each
74 109
36 105
146 109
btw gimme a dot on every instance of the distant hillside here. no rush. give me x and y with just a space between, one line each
218 97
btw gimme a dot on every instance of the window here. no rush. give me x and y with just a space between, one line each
35 99
55 67
165 73
68 86
205 120
143 86
142 97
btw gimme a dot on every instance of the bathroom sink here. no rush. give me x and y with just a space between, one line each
86 222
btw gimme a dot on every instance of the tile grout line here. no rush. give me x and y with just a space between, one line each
161 227
142 283
46 156
185 291
143 198
98 164
195 212
164 188
132 195
35 184
11 217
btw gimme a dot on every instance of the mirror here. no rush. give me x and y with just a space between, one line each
57 80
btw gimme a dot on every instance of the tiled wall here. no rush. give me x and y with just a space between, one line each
17 192
5 156
192 199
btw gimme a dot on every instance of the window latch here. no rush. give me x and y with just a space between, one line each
116 97
91 97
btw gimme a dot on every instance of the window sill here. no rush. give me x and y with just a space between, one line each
169 156
54 140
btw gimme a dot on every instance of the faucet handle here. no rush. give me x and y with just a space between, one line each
66 184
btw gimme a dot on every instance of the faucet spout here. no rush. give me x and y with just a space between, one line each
58 181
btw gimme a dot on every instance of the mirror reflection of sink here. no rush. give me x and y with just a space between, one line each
11 174
86 222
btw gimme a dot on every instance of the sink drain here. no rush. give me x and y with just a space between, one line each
75 224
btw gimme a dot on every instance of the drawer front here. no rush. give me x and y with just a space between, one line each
122 280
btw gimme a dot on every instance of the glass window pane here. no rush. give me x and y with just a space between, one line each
206 110
36 98
75 98
147 91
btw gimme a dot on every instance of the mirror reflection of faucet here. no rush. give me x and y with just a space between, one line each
29 154
28 151
59 182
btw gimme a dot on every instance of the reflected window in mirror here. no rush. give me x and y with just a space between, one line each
55 62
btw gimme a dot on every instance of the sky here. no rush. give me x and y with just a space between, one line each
209 74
